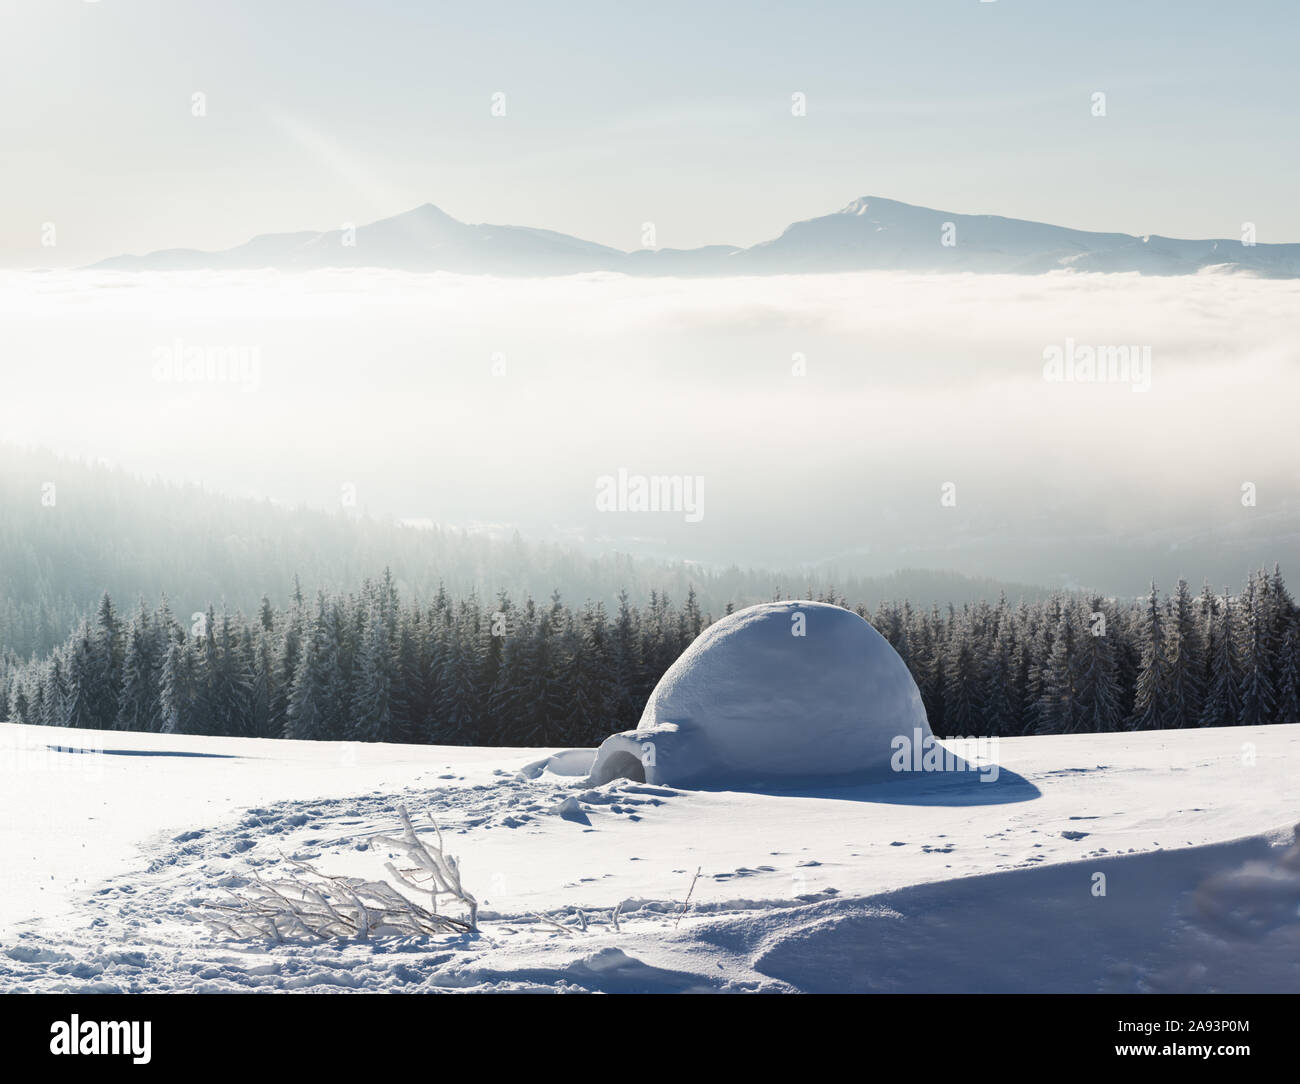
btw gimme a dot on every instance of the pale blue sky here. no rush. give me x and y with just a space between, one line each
321 112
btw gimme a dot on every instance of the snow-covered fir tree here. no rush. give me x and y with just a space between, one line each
1222 706
1151 694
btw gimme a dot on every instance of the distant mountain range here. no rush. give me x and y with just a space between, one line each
869 234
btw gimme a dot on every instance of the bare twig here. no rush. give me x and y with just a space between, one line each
687 902
551 922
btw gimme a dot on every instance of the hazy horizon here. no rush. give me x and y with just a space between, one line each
821 415
1067 429
308 116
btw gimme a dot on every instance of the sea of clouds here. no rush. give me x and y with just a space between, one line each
825 411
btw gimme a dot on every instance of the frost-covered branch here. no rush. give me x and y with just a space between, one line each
321 906
441 871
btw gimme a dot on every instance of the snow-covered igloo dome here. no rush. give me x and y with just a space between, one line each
784 690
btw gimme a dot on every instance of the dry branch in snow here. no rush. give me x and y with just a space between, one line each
432 871
318 905
687 902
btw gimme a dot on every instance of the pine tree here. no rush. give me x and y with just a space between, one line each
83 673
1151 700
138 704
692 619
310 709
1098 693
888 621
963 709
1257 660
1058 706
1222 698
628 666
929 668
490 650
1288 685
545 706
1002 711
455 707
374 716
169 701
339 664
39 707
471 709
1186 689
508 696
1040 639
288 653
266 615
594 684
1278 609
259 661
412 710
104 675
227 699
518 700
177 689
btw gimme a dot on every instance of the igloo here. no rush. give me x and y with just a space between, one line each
784 690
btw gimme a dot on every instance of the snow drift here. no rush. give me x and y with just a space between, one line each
783 690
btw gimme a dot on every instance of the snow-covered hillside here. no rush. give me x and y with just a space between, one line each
109 860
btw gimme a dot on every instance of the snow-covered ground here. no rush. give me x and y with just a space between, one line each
108 861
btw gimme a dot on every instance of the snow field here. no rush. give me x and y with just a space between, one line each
920 883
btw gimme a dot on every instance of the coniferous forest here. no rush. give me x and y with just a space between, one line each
109 531
366 667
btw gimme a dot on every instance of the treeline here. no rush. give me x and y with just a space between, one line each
70 531
365 667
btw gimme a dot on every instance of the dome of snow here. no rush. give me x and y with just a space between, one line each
793 690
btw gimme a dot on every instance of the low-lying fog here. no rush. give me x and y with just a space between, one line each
1058 429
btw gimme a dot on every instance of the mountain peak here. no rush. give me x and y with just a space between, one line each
860 205
428 212
871 233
